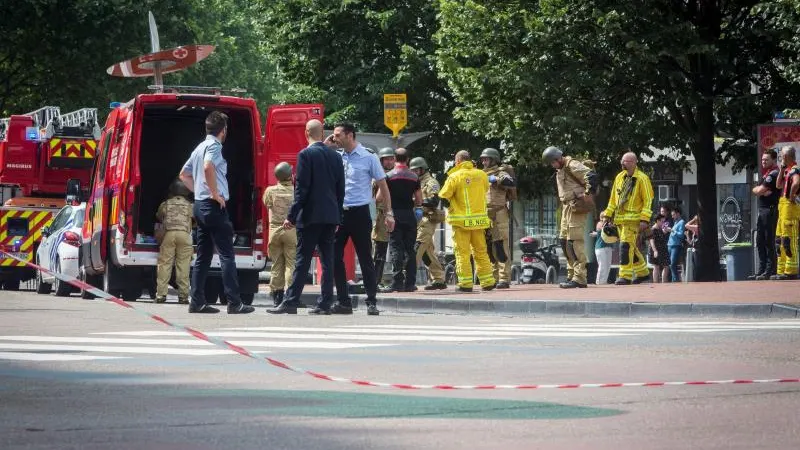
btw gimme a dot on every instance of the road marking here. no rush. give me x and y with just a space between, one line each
186 342
23 356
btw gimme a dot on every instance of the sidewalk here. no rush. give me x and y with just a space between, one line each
776 299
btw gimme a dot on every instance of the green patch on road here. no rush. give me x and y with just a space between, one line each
366 405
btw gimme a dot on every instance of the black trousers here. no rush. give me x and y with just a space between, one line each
356 226
404 258
765 240
214 229
309 237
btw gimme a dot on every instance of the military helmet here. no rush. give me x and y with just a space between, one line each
491 153
610 233
551 154
283 171
418 163
386 152
178 189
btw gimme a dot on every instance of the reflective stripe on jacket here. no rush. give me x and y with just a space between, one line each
639 203
466 189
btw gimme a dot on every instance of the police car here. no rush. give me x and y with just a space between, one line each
59 250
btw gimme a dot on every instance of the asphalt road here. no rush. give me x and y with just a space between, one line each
92 375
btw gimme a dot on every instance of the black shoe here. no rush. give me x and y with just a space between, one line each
410 289
622 282
390 289
779 277
640 280
762 277
463 289
503 285
756 276
205 309
435 286
277 297
241 309
161 300
488 288
372 310
283 308
183 300
571 284
319 312
339 309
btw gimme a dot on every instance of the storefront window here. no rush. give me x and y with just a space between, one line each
539 216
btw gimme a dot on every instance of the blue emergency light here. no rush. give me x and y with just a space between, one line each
31 133
114 105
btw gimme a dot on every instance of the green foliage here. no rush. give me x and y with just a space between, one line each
347 54
56 52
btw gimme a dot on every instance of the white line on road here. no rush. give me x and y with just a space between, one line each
187 342
380 335
23 356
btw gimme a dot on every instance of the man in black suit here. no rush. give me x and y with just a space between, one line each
316 212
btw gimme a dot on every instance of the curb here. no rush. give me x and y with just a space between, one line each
561 308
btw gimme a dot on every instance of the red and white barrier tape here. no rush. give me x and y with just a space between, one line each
442 387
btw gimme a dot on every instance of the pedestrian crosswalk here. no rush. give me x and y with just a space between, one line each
128 344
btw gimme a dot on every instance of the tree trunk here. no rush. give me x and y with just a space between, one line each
707 257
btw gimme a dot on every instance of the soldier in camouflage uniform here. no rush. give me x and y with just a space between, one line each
380 235
432 217
502 190
175 215
282 241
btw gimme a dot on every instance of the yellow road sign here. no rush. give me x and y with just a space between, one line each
395 114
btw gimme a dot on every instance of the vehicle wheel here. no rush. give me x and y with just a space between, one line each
247 299
11 285
552 275
86 295
62 289
41 286
131 295
213 290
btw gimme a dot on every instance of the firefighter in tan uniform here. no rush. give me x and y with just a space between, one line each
282 241
175 215
432 216
380 235
574 183
503 189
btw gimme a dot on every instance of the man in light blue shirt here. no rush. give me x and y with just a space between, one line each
360 169
205 174
675 243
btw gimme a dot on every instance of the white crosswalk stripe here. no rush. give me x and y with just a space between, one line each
126 344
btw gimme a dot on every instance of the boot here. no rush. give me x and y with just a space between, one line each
277 297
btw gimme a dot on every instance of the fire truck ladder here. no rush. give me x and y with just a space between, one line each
84 118
41 118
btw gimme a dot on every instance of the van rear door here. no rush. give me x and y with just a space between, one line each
284 138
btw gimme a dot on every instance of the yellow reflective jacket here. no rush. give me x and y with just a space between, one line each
631 201
466 189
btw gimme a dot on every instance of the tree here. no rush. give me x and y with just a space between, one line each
600 76
348 54
55 52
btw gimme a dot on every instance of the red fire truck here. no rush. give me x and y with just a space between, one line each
39 153
142 149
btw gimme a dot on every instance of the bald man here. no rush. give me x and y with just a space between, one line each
630 208
316 212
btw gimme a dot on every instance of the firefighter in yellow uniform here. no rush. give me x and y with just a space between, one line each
630 209
175 215
282 241
431 218
380 235
502 190
786 239
465 193
573 181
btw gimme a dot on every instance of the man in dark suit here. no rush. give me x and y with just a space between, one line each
316 212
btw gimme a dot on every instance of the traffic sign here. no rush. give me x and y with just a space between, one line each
395 114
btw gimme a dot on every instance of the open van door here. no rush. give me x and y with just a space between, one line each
284 138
